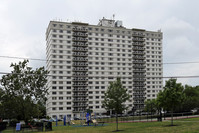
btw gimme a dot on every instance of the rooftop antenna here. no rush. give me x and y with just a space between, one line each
113 16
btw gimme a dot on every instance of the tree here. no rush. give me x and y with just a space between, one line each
150 106
22 89
115 97
172 96
191 98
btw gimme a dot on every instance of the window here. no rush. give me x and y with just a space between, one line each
61 98
68 108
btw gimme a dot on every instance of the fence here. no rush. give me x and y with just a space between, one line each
148 118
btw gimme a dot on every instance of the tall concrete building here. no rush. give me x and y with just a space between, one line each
82 59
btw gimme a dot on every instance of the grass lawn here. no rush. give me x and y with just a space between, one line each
181 126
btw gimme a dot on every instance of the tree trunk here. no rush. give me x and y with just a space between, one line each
116 122
172 117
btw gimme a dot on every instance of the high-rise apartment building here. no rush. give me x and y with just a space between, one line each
82 59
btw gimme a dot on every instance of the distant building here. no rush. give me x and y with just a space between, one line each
82 59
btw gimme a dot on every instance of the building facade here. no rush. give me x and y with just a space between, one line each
82 59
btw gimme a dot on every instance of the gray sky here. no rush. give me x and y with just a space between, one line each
23 25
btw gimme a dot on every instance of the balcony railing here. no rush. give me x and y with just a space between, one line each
138 53
80 54
139 89
80 84
80 99
82 44
139 98
138 39
139 79
138 94
80 79
139 62
140 102
80 59
79 49
138 44
80 34
136 84
138 57
80 74
139 71
139 48
80 64
80 105
80 95
82 90
138 66
80 69
80 39
138 35
80 29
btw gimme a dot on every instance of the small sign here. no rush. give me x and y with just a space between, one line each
18 126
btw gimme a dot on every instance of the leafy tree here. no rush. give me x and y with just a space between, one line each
115 97
171 97
22 89
150 106
191 98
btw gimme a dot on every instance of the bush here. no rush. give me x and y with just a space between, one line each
3 125
13 122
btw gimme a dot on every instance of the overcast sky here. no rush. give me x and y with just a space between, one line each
23 25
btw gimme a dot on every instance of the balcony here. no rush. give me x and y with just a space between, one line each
138 44
79 110
80 90
139 98
79 49
139 71
139 79
139 89
80 79
139 75
138 53
80 84
139 48
80 34
80 95
138 57
80 44
140 102
80 39
80 59
80 64
80 54
80 99
139 62
80 29
138 35
138 94
80 105
139 84
138 66
80 69
138 39
80 74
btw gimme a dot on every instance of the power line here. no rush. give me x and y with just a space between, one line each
14 57
166 77
180 62
22 58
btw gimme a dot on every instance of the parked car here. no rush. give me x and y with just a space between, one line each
76 118
52 119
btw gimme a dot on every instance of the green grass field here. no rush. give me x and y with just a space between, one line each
181 126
